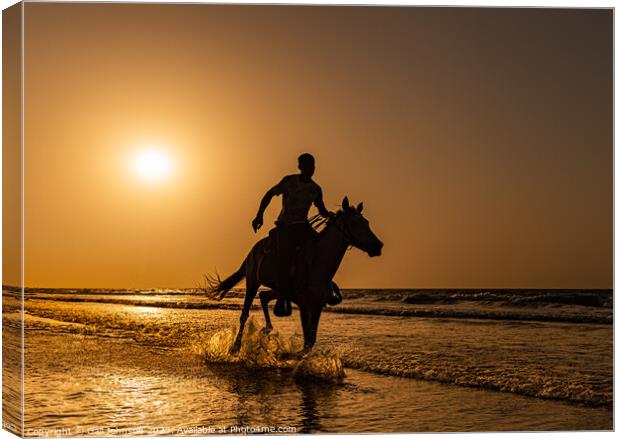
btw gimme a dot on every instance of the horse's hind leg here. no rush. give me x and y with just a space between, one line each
250 294
266 297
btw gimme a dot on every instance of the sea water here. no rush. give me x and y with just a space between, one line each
133 362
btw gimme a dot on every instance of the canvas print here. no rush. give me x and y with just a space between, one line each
284 219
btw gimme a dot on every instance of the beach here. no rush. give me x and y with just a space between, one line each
147 362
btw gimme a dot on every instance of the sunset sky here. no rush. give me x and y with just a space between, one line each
479 140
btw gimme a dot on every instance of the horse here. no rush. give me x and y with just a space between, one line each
346 228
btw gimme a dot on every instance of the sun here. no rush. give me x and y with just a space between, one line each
152 165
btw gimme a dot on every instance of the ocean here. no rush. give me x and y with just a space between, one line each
150 362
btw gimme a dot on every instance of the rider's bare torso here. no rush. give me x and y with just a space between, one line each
298 194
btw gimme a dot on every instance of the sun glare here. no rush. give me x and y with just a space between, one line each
152 165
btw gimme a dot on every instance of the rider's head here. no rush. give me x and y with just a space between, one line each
306 164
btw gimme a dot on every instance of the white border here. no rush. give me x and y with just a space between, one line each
476 3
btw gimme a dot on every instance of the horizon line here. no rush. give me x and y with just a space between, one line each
343 288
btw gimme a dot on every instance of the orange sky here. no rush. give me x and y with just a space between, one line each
479 140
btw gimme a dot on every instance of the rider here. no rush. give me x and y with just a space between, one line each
298 192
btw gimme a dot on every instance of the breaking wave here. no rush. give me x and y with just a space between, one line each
534 385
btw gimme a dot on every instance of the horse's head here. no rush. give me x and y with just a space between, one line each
356 228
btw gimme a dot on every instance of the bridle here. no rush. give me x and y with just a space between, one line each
346 234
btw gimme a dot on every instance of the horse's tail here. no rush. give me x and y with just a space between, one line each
217 288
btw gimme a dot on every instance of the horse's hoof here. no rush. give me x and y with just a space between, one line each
289 356
266 330
304 352
234 350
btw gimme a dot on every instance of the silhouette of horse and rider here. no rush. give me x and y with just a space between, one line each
295 262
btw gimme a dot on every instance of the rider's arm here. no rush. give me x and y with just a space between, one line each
321 205
264 203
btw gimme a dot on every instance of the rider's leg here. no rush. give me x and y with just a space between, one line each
285 253
300 235
290 238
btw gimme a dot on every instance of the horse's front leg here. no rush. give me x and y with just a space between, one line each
266 297
306 324
314 326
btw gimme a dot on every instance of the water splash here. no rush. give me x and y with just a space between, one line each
324 364
270 350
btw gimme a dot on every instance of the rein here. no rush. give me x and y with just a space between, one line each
317 221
